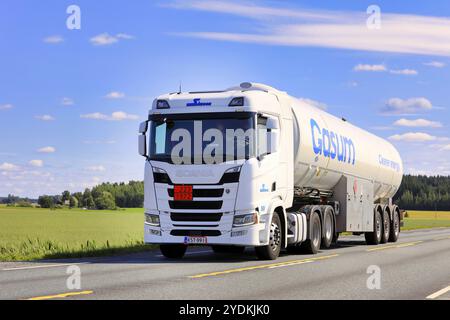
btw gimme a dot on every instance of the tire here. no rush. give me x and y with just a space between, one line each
272 250
312 245
328 228
386 227
374 238
395 227
173 251
228 249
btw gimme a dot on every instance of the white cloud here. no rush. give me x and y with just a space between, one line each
446 147
115 116
417 123
105 39
45 117
413 137
96 168
435 64
325 28
37 163
53 39
5 166
406 72
6 106
67 101
46 150
314 103
407 106
370 67
125 36
115 95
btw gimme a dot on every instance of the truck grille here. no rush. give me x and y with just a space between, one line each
190 205
195 217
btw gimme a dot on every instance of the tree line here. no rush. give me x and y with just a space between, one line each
106 196
424 193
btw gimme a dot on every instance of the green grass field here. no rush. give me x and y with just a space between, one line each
426 219
30 233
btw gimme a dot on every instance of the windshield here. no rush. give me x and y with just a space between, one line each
202 138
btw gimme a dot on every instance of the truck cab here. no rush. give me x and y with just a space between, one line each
216 170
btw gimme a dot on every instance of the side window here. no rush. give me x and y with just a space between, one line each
262 135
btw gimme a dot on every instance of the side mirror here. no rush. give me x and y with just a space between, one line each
272 141
142 139
143 127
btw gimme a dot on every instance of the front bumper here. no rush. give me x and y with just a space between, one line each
254 235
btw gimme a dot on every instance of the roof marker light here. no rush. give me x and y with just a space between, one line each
162 104
236 102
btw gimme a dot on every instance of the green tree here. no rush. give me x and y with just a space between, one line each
88 200
65 196
46 201
73 202
105 201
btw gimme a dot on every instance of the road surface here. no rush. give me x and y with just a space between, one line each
416 267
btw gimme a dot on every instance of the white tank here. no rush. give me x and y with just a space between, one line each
327 147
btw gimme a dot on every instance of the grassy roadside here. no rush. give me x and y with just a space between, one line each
32 234
426 219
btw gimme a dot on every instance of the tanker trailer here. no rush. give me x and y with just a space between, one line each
251 166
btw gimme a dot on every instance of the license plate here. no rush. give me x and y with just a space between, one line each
195 240
182 193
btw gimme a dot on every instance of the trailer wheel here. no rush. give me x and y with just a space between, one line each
272 250
374 237
328 228
386 227
173 251
312 245
395 228
228 249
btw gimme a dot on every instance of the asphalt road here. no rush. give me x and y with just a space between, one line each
416 267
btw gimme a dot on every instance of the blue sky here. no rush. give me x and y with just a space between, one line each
71 100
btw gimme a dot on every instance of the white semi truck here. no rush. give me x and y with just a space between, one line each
251 166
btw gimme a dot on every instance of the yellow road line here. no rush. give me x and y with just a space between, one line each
439 293
262 266
62 295
401 245
442 238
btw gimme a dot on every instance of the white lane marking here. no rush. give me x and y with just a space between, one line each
188 253
439 293
44 266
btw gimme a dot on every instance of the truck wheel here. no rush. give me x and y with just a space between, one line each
228 249
395 228
375 236
328 227
272 250
386 227
312 245
173 251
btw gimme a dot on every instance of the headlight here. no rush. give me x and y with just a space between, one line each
245 219
158 170
234 170
152 219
